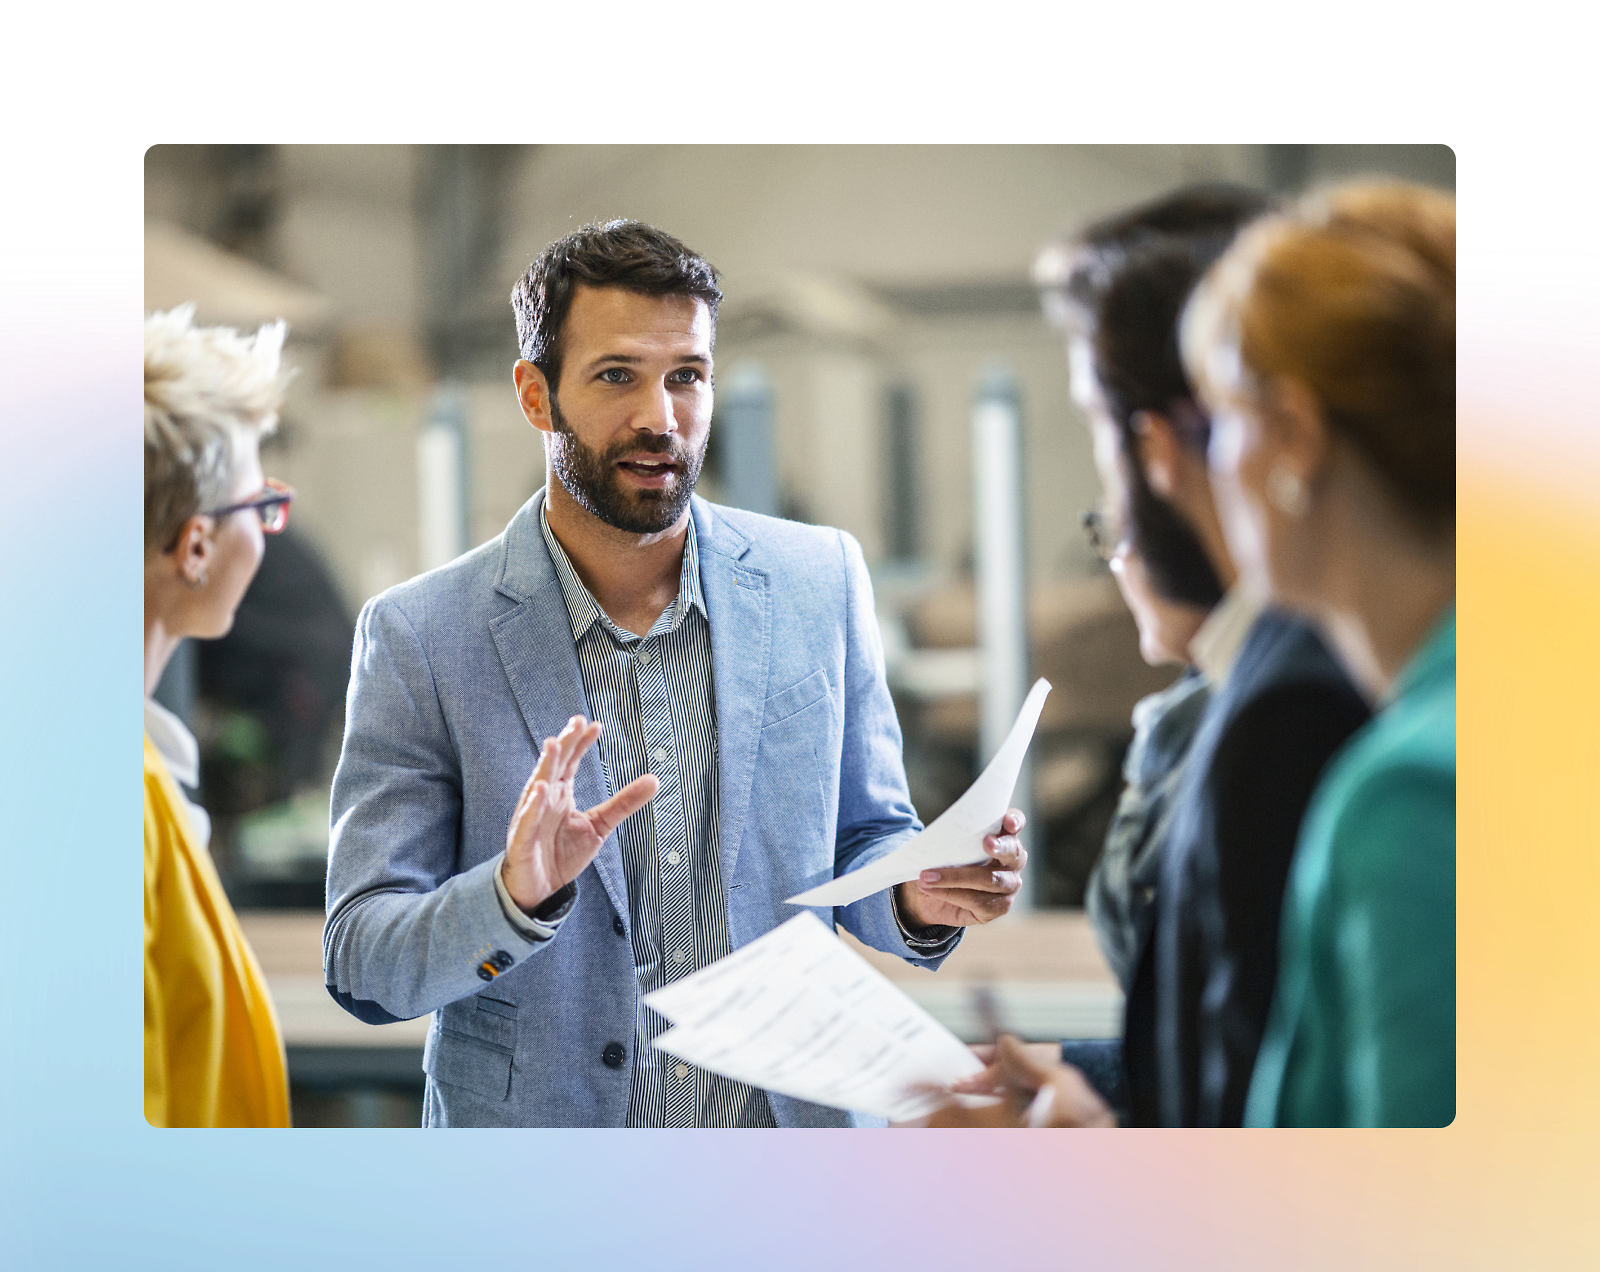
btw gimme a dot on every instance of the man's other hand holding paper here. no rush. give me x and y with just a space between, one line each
965 896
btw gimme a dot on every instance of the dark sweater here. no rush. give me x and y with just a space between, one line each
1203 982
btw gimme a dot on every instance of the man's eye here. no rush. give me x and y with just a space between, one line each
686 375
614 375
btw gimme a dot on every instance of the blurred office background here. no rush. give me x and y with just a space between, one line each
882 366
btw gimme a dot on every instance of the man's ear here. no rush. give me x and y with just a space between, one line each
1160 452
533 392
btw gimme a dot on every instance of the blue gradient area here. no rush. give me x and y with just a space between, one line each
71 992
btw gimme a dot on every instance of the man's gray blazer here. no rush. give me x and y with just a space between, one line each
458 677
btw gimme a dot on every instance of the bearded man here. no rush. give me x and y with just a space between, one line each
699 694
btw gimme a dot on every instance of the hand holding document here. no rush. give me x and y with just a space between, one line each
799 1013
956 836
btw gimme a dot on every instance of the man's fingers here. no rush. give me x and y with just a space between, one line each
524 799
984 878
552 812
578 744
539 816
1007 851
523 815
544 767
569 752
982 906
559 756
970 907
1013 821
624 804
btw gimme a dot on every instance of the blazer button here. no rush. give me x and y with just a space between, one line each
616 925
501 959
613 1055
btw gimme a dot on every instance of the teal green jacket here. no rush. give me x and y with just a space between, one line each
1363 1026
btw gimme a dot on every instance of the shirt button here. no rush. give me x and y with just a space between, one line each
613 1056
673 857
682 1071
659 754
678 956
616 925
644 657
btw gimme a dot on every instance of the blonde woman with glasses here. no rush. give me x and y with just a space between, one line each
213 1053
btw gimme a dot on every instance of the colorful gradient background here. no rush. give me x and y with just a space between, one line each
84 1183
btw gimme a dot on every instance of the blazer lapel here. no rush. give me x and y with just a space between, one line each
739 603
535 645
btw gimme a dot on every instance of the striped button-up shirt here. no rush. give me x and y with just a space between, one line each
654 695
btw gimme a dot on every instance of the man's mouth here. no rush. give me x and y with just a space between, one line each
648 467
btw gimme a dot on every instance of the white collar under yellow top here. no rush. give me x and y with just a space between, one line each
1216 645
181 754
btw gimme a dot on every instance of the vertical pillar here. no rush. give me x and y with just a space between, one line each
442 482
749 469
1001 578
902 477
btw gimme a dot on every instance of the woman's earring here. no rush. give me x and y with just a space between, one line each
195 584
1287 493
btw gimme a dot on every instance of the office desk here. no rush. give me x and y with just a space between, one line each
1043 968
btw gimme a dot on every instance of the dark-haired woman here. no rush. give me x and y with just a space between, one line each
1202 897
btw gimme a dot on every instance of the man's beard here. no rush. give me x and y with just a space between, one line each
594 483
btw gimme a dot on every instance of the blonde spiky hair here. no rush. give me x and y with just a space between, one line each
203 387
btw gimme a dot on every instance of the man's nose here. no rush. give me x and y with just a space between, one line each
656 412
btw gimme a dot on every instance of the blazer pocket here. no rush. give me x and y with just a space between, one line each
495 1022
795 699
468 1063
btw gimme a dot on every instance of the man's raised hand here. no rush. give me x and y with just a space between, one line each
550 842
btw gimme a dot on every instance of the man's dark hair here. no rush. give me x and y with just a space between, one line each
1121 284
627 254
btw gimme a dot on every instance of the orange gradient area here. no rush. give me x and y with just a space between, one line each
1528 815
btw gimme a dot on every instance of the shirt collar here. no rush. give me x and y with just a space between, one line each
584 611
1216 645
173 743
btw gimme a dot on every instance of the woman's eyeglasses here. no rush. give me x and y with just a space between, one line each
271 505
1105 541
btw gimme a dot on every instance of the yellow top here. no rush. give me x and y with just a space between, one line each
212 1052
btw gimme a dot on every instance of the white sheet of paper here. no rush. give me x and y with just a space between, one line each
800 1013
956 836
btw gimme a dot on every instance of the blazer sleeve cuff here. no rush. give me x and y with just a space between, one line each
876 921
545 921
935 939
